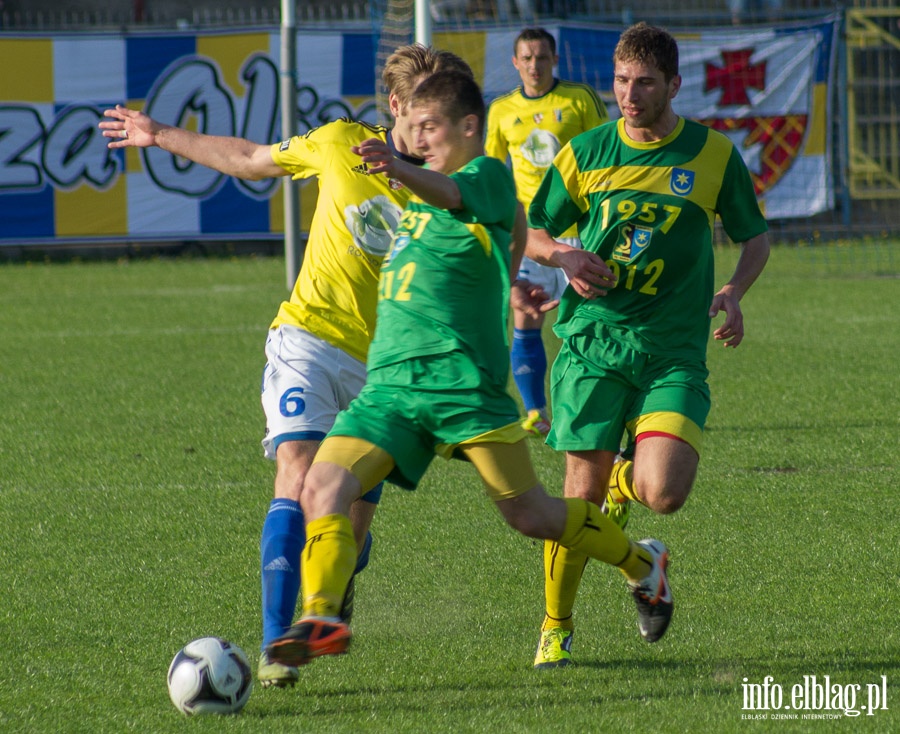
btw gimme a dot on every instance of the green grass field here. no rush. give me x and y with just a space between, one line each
133 490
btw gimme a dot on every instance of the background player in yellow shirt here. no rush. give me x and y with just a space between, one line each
531 124
318 342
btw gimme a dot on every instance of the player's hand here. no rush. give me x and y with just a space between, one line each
129 128
588 274
530 299
377 156
732 330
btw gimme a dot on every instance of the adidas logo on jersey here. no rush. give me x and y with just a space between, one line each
361 168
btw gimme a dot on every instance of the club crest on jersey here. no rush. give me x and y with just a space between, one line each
681 182
399 243
538 118
633 240
395 184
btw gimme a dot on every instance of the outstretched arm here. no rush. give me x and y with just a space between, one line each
232 156
754 254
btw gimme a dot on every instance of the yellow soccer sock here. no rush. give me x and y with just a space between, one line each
637 564
621 482
590 531
562 576
326 565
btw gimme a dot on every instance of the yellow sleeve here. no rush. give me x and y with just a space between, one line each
309 155
595 112
495 144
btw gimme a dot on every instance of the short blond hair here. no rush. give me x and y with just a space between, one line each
409 65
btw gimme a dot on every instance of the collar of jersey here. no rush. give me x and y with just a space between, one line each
540 96
402 156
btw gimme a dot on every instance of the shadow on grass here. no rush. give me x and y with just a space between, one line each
715 684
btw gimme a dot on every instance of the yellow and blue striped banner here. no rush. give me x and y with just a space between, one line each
767 90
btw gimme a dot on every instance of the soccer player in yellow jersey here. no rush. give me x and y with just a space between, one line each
530 125
318 342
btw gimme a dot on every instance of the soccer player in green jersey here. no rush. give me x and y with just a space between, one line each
644 191
317 344
529 125
438 368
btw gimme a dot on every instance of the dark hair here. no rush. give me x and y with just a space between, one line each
458 95
535 34
648 44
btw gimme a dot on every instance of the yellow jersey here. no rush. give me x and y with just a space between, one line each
336 291
532 130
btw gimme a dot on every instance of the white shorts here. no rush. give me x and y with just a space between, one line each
306 383
552 280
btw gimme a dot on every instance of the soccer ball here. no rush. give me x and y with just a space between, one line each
210 676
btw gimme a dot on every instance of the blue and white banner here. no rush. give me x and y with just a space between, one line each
768 90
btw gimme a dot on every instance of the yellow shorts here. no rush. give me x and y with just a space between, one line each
505 468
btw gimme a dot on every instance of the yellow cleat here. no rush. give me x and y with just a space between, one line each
536 424
554 649
618 512
275 675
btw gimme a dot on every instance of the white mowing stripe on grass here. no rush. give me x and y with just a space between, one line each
171 331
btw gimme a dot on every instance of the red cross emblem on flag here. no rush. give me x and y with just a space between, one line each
735 77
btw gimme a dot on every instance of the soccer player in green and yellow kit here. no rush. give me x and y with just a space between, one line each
645 192
438 368
530 125
317 344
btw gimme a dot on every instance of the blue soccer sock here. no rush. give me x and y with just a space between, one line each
529 367
282 541
363 560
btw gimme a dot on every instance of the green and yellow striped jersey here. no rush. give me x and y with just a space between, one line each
649 210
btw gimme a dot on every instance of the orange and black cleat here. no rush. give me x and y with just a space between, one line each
309 638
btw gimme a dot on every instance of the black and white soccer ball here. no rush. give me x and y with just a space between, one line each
210 676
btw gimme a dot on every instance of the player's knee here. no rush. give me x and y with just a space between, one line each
665 499
528 524
289 484
524 517
329 489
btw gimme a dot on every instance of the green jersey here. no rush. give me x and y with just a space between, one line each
444 283
649 210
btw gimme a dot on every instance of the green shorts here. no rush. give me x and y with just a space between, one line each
601 388
421 407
